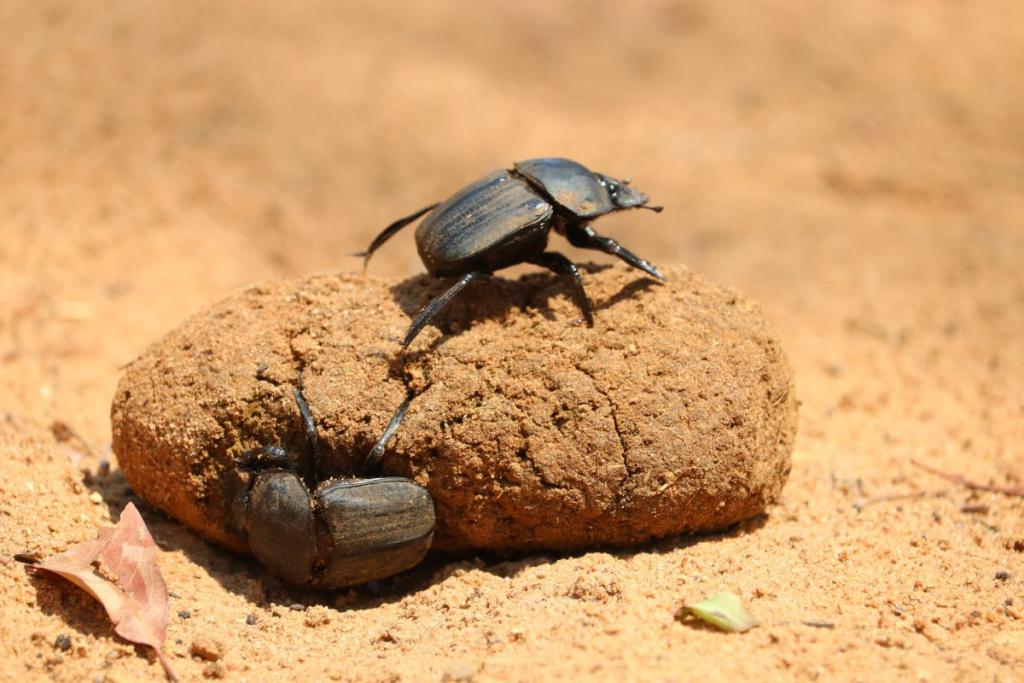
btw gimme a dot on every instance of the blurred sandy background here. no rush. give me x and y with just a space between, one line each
857 167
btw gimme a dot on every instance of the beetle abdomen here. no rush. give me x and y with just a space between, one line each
377 527
570 184
498 208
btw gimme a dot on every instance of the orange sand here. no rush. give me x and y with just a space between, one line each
855 167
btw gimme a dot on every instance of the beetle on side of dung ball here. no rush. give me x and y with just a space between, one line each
504 219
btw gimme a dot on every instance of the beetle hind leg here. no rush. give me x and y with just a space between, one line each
377 452
389 232
585 238
430 311
560 264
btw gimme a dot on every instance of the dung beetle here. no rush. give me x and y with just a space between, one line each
504 219
339 532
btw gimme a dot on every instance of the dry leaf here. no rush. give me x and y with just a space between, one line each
137 601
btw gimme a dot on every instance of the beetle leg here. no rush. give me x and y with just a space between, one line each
264 457
583 236
309 425
437 305
275 457
390 231
563 266
377 452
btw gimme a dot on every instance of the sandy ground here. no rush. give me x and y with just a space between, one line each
856 167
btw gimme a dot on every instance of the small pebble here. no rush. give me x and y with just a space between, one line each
459 671
317 615
96 498
250 619
207 648
1003 575
297 606
62 643
184 614
214 670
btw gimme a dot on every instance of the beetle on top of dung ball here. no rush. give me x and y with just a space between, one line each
504 219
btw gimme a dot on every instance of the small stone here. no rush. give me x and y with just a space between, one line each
297 607
459 671
214 670
1003 575
316 616
62 642
184 614
207 648
250 619
95 497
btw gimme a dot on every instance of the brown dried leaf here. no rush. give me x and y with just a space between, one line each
137 601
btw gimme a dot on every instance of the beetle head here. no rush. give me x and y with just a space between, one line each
624 196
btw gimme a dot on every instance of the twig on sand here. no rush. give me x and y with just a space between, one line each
967 483
885 498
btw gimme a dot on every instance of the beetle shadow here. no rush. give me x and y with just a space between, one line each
629 291
440 566
488 299
231 570
83 618
511 567
494 297
246 577
234 572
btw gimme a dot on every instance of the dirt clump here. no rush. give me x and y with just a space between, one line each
675 413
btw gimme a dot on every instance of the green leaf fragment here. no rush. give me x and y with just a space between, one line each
723 610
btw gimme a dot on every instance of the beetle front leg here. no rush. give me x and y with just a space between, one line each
583 236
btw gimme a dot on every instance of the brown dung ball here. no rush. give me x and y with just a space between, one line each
674 413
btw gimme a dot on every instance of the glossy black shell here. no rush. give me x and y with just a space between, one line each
346 533
569 184
461 234
504 218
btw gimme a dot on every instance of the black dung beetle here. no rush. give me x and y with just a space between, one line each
504 219
335 533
